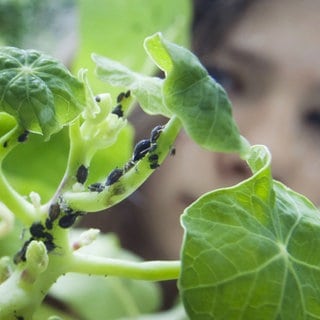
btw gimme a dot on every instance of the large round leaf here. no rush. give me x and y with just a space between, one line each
38 90
251 251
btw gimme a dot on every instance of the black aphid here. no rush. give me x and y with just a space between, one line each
118 111
21 254
96 187
48 223
48 236
155 133
141 149
37 230
127 94
50 246
154 165
153 157
5 144
121 96
82 174
54 211
23 136
68 220
114 176
128 166
97 98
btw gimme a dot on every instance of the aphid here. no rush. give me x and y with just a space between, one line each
173 151
21 254
54 211
118 111
155 133
141 149
48 236
50 246
128 166
82 174
154 165
114 176
153 159
37 230
96 187
121 96
97 98
23 136
48 223
69 219
5 144
128 93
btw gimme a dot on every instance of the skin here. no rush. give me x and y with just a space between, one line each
270 67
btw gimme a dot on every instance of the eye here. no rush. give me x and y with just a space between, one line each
312 118
231 82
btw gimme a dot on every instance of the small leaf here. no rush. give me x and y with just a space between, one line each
251 251
146 89
38 91
190 93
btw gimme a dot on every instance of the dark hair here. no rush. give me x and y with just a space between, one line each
213 19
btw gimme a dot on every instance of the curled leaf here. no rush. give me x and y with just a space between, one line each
190 93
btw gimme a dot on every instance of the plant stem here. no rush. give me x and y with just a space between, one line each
129 182
151 270
20 207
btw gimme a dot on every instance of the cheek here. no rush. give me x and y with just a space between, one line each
307 175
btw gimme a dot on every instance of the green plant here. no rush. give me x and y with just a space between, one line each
249 251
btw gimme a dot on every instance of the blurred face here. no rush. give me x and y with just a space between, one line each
270 67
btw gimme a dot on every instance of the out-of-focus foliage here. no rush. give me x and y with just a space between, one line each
115 28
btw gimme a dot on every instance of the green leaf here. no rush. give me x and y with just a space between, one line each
38 91
190 93
146 89
7 123
124 19
251 251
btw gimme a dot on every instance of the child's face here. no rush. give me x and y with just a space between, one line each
270 67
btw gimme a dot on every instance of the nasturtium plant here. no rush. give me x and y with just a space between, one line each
38 91
249 251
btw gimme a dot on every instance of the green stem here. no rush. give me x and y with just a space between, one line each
151 270
129 182
21 208
78 154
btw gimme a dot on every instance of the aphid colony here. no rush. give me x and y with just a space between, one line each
64 216
141 149
41 232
